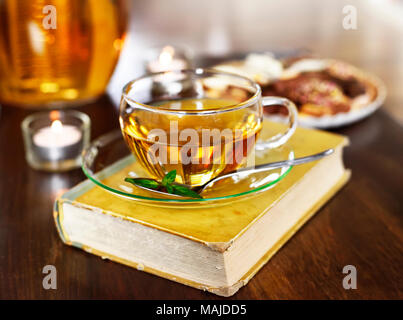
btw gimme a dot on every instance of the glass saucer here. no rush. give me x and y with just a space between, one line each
108 161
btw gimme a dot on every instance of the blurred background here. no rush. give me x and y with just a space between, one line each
221 27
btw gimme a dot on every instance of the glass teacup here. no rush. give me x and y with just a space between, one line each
199 122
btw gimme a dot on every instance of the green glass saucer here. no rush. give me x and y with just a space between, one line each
108 161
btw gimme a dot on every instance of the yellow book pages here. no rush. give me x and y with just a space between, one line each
221 224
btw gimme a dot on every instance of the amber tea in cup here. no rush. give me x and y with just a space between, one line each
200 123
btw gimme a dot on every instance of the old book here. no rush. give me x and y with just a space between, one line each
218 249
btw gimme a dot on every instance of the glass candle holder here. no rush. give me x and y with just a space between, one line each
165 59
54 140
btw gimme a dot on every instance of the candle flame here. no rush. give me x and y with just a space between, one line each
56 126
54 115
166 55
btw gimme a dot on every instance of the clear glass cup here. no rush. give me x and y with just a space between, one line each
199 122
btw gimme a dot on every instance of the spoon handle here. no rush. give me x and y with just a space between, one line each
272 165
292 162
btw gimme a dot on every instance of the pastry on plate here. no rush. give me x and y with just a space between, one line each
328 93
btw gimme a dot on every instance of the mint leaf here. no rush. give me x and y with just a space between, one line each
169 178
169 188
184 191
146 183
166 184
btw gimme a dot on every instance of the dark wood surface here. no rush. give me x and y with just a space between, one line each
361 226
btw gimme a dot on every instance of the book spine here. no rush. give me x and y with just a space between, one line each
58 217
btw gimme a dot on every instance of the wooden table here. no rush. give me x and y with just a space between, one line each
361 226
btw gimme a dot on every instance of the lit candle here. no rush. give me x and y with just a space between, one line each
167 61
55 140
57 135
